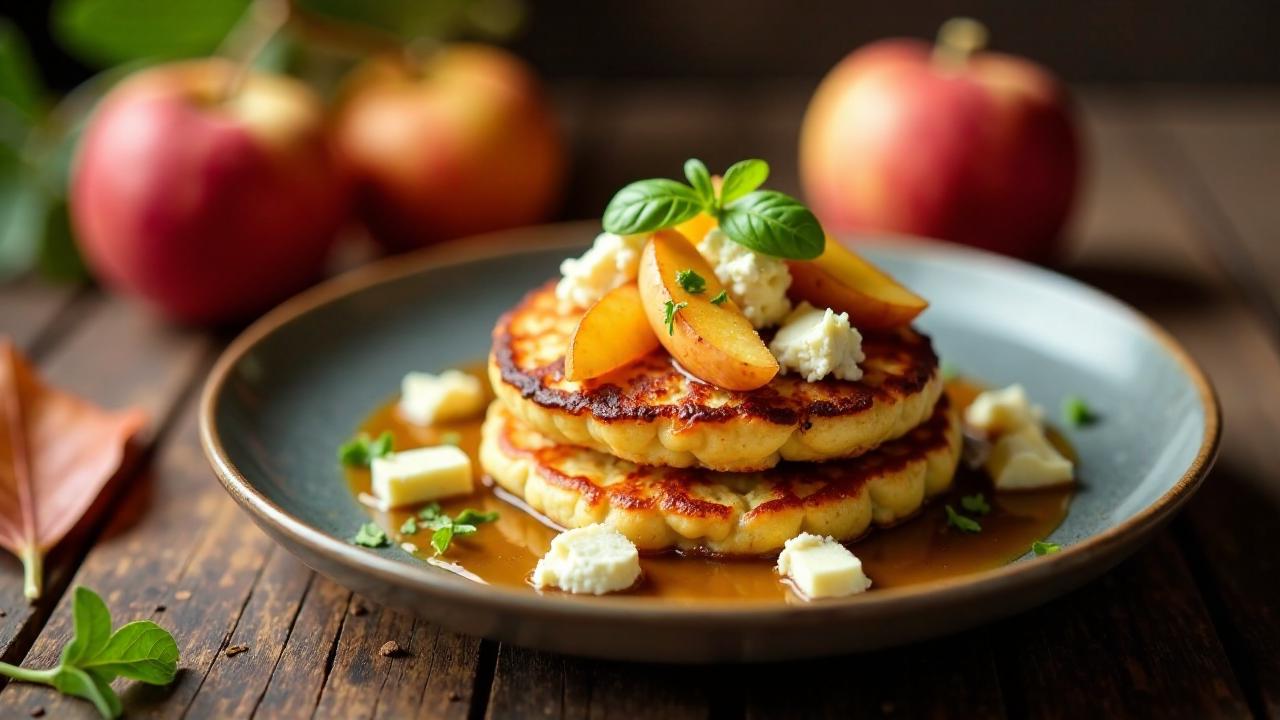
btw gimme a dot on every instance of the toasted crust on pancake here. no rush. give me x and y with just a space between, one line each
695 509
653 413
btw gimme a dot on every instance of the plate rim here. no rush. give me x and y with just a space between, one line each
1107 543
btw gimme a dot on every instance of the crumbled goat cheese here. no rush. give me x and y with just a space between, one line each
757 283
816 343
612 260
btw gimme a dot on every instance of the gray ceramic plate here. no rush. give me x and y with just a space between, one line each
296 383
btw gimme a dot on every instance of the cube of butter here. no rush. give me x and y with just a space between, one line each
820 567
451 395
1026 460
417 476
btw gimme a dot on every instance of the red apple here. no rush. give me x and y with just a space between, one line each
461 144
209 205
944 142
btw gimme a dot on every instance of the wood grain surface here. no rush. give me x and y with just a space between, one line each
1181 219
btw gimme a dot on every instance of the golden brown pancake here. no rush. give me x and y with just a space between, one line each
654 413
694 509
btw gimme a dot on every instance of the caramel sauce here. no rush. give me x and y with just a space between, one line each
918 550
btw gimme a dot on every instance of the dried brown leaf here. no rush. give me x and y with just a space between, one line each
57 452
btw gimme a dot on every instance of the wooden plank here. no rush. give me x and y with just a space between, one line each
431 675
115 357
955 676
1229 145
28 308
1139 640
299 675
1140 243
529 684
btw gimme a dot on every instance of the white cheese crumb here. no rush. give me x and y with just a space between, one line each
817 343
820 567
595 560
995 412
757 283
612 260
1025 459
451 395
417 476
1021 456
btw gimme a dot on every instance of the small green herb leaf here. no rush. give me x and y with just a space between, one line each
960 522
774 224
719 299
741 178
1076 412
370 536
475 517
409 526
670 309
463 529
1040 547
360 451
432 509
140 650
976 504
648 205
949 371
700 179
691 281
441 538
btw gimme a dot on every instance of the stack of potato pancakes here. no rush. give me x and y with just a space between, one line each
674 463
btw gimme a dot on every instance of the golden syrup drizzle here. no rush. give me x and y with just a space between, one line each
919 550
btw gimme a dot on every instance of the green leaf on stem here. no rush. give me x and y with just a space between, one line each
774 224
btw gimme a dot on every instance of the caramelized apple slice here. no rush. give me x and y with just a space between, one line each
715 343
696 227
613 333
841 280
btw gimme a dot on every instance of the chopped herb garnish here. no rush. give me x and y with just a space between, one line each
960 522
360 451
140 650
475 517
371 536
976 504
1076 412
445 529
409 526
691 281
671 308
1040 547
450 438
949 371
431 510
719 299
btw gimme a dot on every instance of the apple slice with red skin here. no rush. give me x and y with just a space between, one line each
715 343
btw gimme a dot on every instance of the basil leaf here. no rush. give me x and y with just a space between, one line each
741 178
92 627
140 650
700 179
774 224
648 205
71 680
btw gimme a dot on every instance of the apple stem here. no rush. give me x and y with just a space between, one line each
958 38
264 20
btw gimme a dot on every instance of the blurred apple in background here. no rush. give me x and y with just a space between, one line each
211 197
462 143
945 142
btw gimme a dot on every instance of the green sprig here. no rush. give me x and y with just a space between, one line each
960 522
360 451
765 221
140 650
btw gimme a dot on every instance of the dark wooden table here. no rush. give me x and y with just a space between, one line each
1181 218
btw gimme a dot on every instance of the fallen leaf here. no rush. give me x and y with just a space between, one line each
57 452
